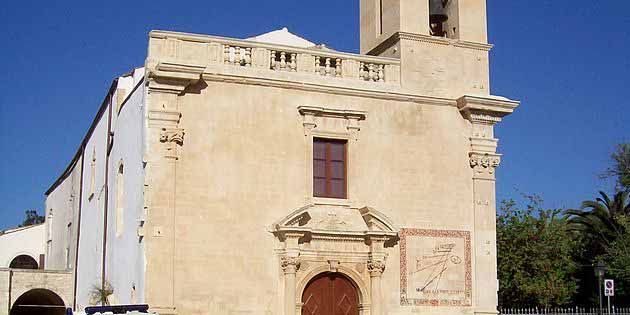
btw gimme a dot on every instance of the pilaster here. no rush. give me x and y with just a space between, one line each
164 141
483 113
290 263
376 267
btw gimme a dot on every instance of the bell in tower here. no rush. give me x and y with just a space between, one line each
437 17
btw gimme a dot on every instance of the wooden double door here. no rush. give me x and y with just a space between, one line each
330 294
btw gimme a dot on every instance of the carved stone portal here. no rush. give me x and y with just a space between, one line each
317 239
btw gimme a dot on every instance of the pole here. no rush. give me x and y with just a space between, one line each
600 295
609 304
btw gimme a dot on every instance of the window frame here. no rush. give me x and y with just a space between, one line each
327 164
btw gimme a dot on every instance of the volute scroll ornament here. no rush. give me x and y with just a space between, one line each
376 267
289 264
484 163
173 135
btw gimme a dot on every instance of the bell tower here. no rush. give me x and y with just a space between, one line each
442 44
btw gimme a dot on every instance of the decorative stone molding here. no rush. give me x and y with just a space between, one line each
485 109
376 267
352 117
332 112
484 112
483 118
159 118
334 238
171 78
174 135
289 264
434 40
484 164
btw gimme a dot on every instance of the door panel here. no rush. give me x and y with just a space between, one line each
330 294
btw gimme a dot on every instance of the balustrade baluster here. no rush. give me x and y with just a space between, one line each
237 56
274 65
338 71
283 60
372 73
327 68
248 57
293 62
381 73
226 54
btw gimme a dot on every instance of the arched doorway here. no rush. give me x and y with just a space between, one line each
23 262
330 294
38 301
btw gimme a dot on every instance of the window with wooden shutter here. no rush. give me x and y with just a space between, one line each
329 168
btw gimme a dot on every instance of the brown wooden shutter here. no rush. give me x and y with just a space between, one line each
329 168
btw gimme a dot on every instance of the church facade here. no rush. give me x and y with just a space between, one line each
274 176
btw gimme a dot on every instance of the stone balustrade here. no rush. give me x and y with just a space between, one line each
327 64
233 53
283 61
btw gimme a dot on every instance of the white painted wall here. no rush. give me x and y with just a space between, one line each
91 238
22 241
61 214
125 249
125 262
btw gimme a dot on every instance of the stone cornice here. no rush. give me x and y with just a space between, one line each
331 112
170 77
396 37
485 109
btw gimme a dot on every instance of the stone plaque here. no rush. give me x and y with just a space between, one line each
435 268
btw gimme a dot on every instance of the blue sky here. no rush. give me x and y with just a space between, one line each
567 61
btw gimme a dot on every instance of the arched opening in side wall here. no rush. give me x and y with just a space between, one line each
24 262
38 302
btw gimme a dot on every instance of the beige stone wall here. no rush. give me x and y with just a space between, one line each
14 283
229 136
243 166
4 292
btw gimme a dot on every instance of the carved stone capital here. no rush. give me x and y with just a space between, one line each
376 267
173 138
484 164
172 135
289 264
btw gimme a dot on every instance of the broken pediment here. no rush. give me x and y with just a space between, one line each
376 221
318 219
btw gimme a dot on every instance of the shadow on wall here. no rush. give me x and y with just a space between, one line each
38 301
23 262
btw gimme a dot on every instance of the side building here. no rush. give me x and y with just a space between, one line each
85 207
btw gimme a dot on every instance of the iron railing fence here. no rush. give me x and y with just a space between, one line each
564 311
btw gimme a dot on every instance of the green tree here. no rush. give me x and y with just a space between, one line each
535 265
621 166
617 259
32 218
598 218
602 228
